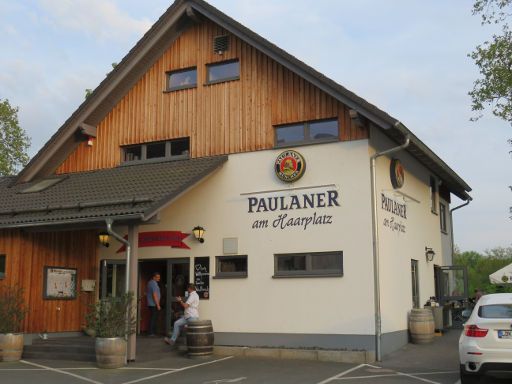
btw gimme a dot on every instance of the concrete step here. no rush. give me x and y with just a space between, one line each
75 349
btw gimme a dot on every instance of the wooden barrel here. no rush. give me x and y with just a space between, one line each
421 326
11 346
110 352
199 338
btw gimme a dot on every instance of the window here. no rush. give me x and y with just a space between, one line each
433 194
231 266
495 311
160 150
442 217
2 266
182 79
308 264
307 133
225 71
415 284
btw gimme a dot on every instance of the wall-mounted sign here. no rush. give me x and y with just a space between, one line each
290 166
59 283
171 239
399 210
397 174
202 276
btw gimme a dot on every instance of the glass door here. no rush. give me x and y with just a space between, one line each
178 276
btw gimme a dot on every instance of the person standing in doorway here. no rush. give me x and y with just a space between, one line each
153 301
191 307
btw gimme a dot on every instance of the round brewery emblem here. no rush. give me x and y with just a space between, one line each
397 174
290 166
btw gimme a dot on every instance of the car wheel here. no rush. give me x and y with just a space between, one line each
468 378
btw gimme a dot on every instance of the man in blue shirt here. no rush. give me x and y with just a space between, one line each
153 300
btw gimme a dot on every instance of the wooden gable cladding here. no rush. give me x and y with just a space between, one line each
223 118
26 256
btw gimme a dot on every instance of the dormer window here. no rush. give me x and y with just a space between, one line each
157 151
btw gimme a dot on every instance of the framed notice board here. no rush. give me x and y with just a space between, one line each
202 277
59 283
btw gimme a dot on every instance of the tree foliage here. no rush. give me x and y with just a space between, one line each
480 266
14 142
494 60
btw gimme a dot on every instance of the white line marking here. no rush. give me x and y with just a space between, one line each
238 379
177 370
150 369
457 382
418 378
398 374
342 373
60 371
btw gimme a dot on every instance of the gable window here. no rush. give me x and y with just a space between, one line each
160 150
442 217
314 264
2 266
309 132
182 79
224 71
231 266
433 194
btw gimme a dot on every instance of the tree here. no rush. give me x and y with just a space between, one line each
494 60
14 142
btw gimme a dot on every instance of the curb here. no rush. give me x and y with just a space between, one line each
297 354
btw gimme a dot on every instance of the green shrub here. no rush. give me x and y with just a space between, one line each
113 316
12 309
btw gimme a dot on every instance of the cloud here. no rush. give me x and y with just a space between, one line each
101 19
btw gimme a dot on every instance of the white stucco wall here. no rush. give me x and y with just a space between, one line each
421 228
260 303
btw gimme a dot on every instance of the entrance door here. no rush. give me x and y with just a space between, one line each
178 276
112 278
146 270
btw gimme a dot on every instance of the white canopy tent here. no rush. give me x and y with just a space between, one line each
502 276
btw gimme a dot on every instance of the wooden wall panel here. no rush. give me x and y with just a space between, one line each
26 256
224 118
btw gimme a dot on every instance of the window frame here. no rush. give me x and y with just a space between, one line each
231 275
434 195
3 261
306 130
309 271
415 283
168 74
143 153
218 64
443 218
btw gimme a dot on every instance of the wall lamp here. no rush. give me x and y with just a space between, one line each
199 233
103 238
429 254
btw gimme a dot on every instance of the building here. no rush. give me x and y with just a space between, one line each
325 218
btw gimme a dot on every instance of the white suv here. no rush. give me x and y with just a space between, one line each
485 345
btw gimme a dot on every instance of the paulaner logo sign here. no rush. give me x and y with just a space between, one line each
304 201
395 224
289 166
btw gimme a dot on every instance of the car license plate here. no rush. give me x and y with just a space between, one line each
504 334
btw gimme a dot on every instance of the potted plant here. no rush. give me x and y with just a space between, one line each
12 312
112 319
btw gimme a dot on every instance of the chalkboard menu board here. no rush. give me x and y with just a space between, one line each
202 276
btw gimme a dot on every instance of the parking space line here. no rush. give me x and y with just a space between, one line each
343 374
60 371
177 370
418 378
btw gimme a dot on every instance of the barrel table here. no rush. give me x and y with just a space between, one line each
199 338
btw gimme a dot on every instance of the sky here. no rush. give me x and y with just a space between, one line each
407 57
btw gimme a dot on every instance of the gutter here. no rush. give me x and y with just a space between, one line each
469 200
375 234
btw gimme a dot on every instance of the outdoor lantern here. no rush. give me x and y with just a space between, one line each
198 233
103 238
429 253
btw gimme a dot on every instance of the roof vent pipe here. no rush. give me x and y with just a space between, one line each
375 233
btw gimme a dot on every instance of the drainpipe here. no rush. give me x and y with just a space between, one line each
451 222
121 239
376 267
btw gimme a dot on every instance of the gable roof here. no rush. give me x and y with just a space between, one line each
171 24
132 192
